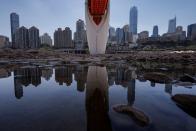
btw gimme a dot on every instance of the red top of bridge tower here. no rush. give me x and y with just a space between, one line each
97 9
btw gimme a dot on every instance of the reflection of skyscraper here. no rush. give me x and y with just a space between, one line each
64 75
111 76
131 92
81 77
29 76
120 76
168 88
97 100
47 73
24 77
35 76
153 84
17 85
133 20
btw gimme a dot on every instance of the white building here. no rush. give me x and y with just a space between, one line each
46 39
97 13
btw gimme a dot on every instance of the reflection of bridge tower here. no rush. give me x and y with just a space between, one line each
97 100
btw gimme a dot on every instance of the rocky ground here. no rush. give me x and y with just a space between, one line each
49 54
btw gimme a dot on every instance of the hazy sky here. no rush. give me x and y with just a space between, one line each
48 15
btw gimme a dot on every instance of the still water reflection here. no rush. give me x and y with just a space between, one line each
94 98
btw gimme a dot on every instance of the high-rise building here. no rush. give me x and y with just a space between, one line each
80 39
34 41
133 20
67 37
112 32
127 34
58 39
155 31
14 22
119 36
112 35
191 32
46 39
172 25
63 38
97 13
22 38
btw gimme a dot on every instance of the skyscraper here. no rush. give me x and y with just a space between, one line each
63 38
34 41
67 35
14 22
80 35
112 35
120 36
133 20
155 31
22 38
112 32
58 38
191 32
172 25
127 34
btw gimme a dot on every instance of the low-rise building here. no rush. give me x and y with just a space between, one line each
4 41
46 39
178 35
143 37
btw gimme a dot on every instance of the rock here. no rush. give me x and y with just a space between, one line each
187 78
184 84
136 115
187 103
4 73
157 78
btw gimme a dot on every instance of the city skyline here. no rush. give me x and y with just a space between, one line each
54 15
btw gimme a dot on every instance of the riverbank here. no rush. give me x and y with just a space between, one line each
58 55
